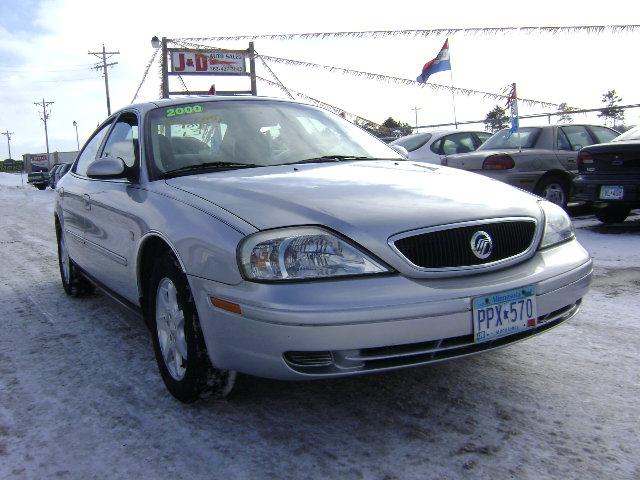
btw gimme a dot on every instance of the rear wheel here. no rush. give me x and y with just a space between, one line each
73 282
612 213
178 342
554 189
41 187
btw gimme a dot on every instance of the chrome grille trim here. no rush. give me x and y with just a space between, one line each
466 270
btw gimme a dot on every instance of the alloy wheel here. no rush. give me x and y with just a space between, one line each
170 329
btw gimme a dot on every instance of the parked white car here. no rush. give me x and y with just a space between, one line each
431 147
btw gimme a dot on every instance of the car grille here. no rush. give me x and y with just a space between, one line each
451 247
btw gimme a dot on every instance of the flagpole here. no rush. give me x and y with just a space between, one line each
453 95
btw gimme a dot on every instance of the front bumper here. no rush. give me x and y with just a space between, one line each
354 326
586 188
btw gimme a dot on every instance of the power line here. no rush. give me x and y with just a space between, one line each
104 66
45 116
537 115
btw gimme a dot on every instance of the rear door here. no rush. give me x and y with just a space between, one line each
570 139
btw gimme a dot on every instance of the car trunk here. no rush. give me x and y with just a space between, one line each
613 159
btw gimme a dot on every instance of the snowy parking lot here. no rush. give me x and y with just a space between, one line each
81 397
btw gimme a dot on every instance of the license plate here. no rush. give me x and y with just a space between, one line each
504 313
611 192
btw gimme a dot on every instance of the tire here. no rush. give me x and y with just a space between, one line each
554 189
612 213
41 187
73 283
178 342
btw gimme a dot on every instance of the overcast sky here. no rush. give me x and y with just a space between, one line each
43 54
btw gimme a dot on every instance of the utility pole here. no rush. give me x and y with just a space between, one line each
104 66
8 135
45 116
415 109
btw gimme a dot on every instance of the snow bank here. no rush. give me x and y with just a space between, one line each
12 179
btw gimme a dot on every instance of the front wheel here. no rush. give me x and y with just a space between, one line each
41 187
178 342
73 283
612 213
554 189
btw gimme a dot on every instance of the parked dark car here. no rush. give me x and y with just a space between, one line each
541 159
57 172
609 177
39 178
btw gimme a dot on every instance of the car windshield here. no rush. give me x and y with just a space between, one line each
526 138
633 134
249 133
412 142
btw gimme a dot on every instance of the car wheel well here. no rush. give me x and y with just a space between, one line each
563 174
152 249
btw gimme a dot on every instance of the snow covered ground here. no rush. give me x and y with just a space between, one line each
80 396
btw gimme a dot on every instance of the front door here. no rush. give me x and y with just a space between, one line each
74 199
114 219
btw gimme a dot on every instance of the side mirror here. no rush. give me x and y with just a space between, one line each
401 150
107 167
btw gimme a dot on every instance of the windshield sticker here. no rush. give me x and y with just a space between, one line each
172 112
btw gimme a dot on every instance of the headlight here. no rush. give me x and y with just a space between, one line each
302 253
557 225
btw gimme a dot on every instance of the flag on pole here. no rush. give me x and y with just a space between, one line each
512 103
439 64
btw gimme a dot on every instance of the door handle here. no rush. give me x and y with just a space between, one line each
87 201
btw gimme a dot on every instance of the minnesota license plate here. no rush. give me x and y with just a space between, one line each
611 192
504 313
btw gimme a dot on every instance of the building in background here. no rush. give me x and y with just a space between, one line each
36 162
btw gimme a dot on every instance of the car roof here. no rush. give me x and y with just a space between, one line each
168 102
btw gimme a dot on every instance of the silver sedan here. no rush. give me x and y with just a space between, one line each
541 160
276 239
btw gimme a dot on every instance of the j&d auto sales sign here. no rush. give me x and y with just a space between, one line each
208 62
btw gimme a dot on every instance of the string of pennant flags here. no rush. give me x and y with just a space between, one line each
433 32
193 43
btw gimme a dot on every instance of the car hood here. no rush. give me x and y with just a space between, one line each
366 201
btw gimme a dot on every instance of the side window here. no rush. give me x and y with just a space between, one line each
603 134
123 140
563 142
458 143
483 137
577 135
436 147
90 150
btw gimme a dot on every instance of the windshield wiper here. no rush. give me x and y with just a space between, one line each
206 166
332 158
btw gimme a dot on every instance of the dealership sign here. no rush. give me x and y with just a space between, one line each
218 61
40 160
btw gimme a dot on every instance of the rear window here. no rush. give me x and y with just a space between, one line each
526 138
413 142
603 134
633 134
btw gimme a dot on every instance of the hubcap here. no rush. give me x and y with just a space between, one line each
170 327
64 260
555 193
